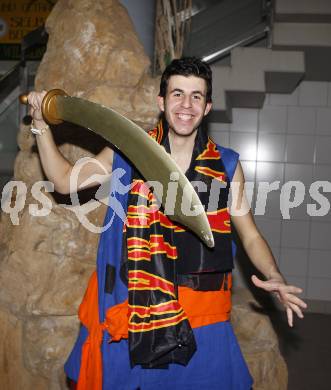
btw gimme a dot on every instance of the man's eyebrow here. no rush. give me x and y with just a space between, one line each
193 92
176 90
199 92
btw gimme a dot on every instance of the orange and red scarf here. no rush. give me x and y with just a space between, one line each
159 255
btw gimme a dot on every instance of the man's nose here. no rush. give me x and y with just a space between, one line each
186 101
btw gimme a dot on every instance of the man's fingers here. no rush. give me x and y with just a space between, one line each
32 101
260 283
295 300
270 285
296 309
266 285
35 99
292 289
286 295
29 97
289 316
288 289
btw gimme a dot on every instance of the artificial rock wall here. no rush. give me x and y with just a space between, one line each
45 262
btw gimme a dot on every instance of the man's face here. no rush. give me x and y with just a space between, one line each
185 104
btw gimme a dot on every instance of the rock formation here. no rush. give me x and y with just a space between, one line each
258 343
45 262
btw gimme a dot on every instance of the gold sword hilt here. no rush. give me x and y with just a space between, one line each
48 105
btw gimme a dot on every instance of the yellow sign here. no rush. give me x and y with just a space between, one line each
19 17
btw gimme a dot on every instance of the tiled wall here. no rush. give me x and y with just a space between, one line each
290 139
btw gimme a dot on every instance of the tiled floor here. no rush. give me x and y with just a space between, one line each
307 350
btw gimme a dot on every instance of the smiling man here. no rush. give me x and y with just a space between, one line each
156 314
184 100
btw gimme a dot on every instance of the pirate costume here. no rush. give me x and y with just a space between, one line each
156 311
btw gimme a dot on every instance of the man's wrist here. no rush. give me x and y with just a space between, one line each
276 275
39 127
38 124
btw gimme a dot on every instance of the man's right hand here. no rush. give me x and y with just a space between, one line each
35 99
57 168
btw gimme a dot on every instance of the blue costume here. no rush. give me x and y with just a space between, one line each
217 363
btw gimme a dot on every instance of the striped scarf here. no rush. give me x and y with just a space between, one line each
158 253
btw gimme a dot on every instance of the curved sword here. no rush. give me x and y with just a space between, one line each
151 160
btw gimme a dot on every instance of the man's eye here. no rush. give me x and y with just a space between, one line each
196 97
177 94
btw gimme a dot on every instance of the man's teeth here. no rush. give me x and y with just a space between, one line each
184 117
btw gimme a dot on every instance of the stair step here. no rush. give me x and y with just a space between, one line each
253 73
310 7
303 18
302 34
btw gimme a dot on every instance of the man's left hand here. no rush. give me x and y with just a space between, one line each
285 293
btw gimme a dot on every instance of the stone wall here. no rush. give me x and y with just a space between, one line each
45 262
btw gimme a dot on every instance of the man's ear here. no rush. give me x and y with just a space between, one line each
208 108
160 103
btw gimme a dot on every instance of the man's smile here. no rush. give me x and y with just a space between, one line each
185 117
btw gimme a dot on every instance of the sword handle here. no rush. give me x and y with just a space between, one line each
48 105
23 98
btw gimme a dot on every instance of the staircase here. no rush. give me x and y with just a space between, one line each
297 46
305 25
253 73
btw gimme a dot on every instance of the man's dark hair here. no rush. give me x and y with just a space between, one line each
187 66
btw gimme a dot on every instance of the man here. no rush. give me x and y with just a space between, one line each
156 312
